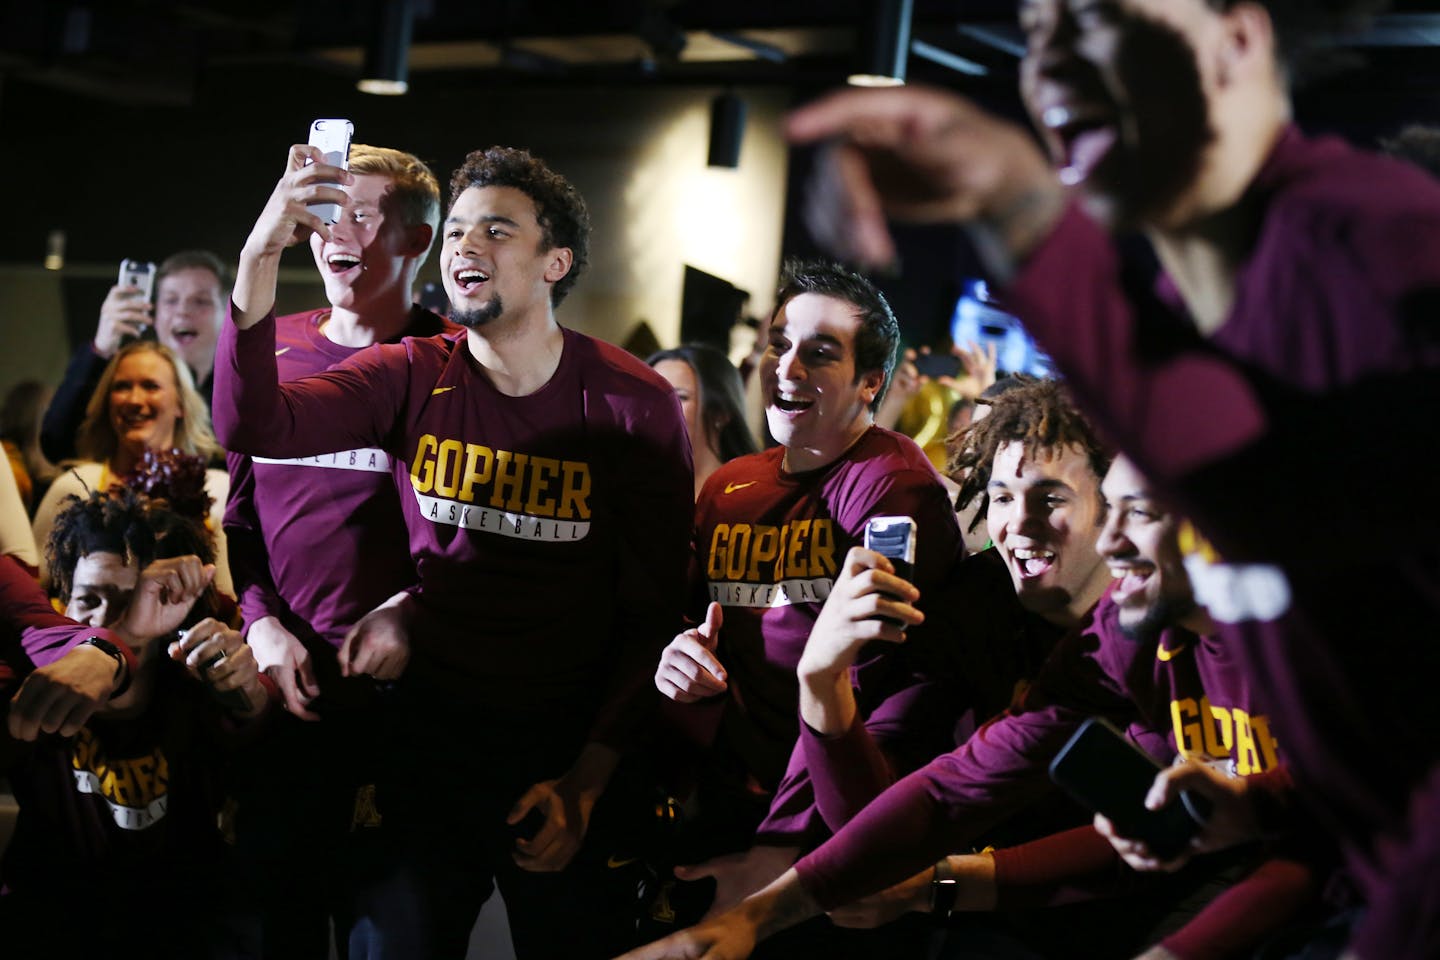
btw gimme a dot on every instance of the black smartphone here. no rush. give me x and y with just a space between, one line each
1107 773
935 365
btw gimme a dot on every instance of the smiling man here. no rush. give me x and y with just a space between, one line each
546 490
189 307
316 544
771 530
1307 274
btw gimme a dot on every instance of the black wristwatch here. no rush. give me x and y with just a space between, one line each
122 672
943 890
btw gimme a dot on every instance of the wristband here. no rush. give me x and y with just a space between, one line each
943 890
122 675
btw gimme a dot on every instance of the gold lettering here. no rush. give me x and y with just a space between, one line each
539 505
767 547
575 491
509 475
474 453
795 566
1269 749
1188 737
447 468
739 550
1247 759
1217 721
719 546
422 470
822 549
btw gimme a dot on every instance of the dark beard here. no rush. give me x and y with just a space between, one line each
481 315
1163 614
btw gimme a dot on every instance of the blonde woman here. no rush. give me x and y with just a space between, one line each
146 400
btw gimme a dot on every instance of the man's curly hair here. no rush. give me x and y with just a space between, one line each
560 209
132 525
1036 413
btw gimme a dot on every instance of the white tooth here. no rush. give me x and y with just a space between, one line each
1056 116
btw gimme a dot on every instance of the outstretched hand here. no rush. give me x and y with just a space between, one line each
926 155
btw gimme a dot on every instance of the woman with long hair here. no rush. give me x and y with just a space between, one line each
713 401
146 400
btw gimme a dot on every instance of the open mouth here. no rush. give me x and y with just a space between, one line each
1086 136
1033 562
791 405
341 262
468 279
184 335
132 420
1130 580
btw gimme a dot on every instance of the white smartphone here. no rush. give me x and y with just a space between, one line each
333 138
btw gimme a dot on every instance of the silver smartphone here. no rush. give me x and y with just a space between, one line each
333 138
139 273
893 537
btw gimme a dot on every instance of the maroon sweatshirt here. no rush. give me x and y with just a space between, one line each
548 531
1307 410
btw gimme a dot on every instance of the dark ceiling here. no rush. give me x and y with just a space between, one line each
156 52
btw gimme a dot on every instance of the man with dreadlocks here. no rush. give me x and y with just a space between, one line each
1035 466
1294 334
129 799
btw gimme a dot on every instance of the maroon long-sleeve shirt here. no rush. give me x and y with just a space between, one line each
1310 410
548 531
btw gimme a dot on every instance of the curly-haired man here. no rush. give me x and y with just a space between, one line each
546 488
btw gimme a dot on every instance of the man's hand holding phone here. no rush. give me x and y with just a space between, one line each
287 218
1229 821
124 316
868 602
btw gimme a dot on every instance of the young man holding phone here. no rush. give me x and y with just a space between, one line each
1297 328
316 544
546 492
1149 661
189 307
771 529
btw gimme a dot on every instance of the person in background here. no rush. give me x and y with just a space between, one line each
713 401
20 430
190 295
145 401
16 539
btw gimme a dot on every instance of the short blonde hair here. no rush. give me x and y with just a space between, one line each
415 190
97 440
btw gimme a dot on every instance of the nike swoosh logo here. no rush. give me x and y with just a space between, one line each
615 863
1165 656
439 390
732 487
282 350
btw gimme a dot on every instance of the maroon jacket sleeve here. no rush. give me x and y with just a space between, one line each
354 404
249 564
939 808
897 703
1247 913
1065 867
32 634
